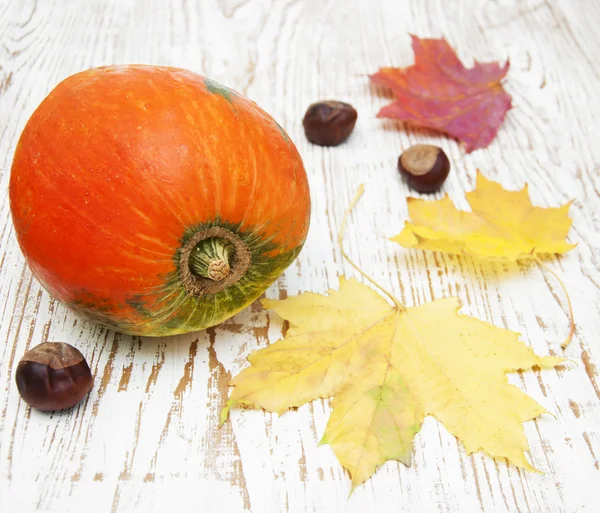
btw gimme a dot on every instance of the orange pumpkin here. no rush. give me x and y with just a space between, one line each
156 201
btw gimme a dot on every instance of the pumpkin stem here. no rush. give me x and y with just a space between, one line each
211 258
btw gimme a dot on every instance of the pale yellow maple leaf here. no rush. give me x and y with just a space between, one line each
502 225
389 368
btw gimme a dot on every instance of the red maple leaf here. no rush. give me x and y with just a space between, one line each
438 92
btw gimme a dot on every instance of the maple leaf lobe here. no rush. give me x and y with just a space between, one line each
440 93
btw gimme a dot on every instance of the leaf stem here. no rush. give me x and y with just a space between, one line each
545 267
357 196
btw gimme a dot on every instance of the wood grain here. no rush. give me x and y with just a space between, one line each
147 438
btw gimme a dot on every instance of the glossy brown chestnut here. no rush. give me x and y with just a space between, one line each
53 376
424 167
329 123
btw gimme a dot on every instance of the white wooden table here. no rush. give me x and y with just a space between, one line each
147 437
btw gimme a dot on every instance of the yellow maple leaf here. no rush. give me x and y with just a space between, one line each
387 367
502 225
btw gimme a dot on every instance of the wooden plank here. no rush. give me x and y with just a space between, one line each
147 438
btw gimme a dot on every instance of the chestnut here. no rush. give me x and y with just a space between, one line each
424 167
53 376
329 123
